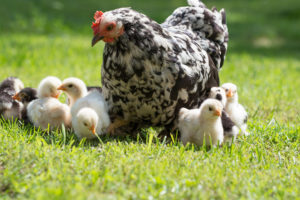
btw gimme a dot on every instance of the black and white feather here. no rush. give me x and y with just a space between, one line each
151 70
209 26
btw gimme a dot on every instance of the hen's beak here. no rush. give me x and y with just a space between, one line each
229 93
16 97
96 38
218 112
62 87
93 129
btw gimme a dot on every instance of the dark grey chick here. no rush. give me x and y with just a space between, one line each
9 108
25 96
11 85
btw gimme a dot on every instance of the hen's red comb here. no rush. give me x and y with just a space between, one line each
98 15
95 25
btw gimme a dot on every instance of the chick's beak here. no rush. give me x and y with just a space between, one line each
96 38
218 112
16 97
229 93
93 129
56 95
62 87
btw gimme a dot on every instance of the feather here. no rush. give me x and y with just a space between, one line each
91 109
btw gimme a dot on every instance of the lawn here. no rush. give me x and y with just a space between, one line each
40 38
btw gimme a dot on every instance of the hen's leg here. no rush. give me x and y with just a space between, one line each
167 131
116 124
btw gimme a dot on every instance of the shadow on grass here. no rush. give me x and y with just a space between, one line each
62 138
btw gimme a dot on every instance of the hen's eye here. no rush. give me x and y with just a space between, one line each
226 90
110 27
70 85
210 109
85 124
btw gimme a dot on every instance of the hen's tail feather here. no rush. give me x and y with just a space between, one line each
196 3
208 25
215 37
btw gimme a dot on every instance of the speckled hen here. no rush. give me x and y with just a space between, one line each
150 70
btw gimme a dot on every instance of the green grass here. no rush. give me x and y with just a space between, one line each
40 38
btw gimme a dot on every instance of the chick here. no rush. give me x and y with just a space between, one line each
203 124
48 87
236 111
11 85
47 110
90 116
230 129
9 108
25 96
219 94
74 88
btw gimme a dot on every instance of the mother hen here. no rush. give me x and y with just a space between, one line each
150 71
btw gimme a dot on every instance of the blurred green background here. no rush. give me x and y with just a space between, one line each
269 27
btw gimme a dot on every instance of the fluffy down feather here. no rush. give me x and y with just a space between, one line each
9 108
48 110
230 129
219 94
11 85
202 125
236 111
25 96
74 88
88 113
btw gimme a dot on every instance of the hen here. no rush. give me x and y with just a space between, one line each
150 71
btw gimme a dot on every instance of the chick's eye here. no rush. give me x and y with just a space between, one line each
110 27
226 90
210 109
